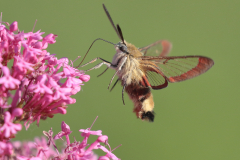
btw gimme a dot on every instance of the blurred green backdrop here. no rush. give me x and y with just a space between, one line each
195 119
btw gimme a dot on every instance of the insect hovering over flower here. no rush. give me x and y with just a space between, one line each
143 69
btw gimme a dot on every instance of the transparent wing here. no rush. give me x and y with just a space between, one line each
153 77
180 68
156 80
160 48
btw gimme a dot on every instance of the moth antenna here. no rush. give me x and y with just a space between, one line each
34 25
111 21
91 47
120 33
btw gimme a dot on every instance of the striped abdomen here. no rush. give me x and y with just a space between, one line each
142 99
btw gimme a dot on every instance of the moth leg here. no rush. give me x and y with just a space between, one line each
113 78
103 72
108 64
123 93
98 66
122 62
114 85
93 60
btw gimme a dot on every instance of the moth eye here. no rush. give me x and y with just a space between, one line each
121 48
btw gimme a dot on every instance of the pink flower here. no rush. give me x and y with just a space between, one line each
6 148
26 158
94 145
42 149
9 128
43 89
61 93
40 86
87 132
8 81
21 64
36 86
50 38
35 36
65 131
84 78
109 153
14 26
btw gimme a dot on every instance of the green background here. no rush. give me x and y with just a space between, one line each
196 119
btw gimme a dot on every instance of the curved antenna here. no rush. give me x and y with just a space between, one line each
111 21
91 46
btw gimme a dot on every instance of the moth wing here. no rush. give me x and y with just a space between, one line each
180 68
154 78
159 48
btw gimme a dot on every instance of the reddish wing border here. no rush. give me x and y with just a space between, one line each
204 64
165 45
146 83
151 67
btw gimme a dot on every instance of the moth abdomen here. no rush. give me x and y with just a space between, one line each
142 99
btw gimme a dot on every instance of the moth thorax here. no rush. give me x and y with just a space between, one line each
131 72
134 51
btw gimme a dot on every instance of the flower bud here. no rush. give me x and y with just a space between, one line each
14 26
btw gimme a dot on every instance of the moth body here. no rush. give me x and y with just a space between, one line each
142 99
131 74
146 68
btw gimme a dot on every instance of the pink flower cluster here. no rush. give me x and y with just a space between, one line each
34 84
41 149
